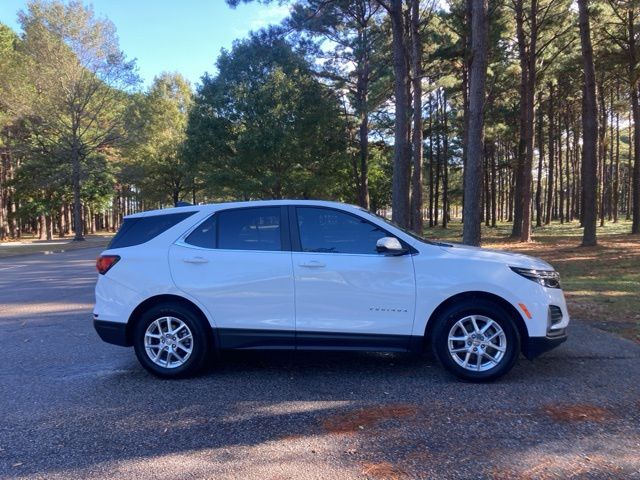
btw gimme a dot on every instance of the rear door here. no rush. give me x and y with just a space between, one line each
347 294
238 264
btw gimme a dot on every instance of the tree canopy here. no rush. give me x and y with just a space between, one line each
265 127
384 103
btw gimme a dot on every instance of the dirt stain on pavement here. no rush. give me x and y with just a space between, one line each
367 417
577 413
383 471
558 466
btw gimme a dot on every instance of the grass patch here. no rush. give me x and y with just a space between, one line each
28 245
600 283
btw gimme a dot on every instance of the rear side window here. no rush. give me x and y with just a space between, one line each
204 235
135 231
250 229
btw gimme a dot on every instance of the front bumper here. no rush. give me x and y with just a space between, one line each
536 346
112 332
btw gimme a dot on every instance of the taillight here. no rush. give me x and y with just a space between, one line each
105 262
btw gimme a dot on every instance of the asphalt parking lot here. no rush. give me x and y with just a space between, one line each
74 407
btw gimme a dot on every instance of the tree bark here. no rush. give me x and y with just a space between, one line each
77 198
417 133
430 160
633 83
590 130
602 150
550 178
516 230
493 185
401 165
616 178
540 165
445 163
477 77
362 93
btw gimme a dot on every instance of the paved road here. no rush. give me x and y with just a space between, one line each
74 407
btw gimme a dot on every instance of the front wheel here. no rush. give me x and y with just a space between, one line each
476 340
170 341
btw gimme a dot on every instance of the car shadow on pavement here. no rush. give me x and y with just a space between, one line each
92 411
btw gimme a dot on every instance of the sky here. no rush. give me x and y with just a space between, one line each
173 35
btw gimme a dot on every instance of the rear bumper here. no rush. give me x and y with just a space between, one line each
112 332
536 346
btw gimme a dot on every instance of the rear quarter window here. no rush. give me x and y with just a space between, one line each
136 231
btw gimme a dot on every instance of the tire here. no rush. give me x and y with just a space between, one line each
186 355
498 346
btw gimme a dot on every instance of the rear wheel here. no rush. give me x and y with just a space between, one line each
171 341
476 340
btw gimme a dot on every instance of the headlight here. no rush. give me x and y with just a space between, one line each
546 278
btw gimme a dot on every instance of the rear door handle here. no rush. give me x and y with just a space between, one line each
195 260
312 264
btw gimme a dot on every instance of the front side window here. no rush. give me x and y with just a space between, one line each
324 230
249 229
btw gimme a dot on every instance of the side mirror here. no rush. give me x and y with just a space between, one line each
390 246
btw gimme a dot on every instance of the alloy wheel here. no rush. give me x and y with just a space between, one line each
168 342
477 343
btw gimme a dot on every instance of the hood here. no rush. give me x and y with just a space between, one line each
498 256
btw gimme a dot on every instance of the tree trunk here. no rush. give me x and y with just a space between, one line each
48 222
540 165
522 193
362 94
61 222
569 197
487 182
445 164
635 190
466 43
42 227
430 160
602 150
629 169
436 180
590 130
493 185
529 118
477 78
560 173
550 179
77 199
616 179
401 165
416 140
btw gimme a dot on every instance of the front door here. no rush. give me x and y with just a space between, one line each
238 264
347 294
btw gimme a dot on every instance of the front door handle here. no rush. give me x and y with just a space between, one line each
312 264
195 260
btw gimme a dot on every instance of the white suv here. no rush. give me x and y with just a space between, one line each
180 283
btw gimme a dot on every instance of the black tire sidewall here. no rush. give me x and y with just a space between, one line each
480 307
201 340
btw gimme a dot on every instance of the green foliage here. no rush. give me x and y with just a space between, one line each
264 127
380 171
77 78
156 126
283 114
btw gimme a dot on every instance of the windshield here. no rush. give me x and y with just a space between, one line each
393 224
